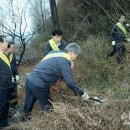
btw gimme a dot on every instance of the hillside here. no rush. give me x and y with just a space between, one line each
100 77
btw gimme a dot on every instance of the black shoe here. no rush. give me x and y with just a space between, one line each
120 62
25 117
13 110
3 126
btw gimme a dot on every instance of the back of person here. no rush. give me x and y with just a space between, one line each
53 67
49 72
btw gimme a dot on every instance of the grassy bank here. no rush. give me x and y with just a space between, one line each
99 75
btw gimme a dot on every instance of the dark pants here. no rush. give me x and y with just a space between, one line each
32 93
120 51
4 106
14 96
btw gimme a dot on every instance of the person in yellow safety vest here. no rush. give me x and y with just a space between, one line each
56 43
54 66
5 84
118 35
15 77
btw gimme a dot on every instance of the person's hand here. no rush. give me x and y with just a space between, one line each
17 77
13 79
72 65
85 96
56 87
113 43
127 25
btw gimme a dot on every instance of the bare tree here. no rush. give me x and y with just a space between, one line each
38 14
14 24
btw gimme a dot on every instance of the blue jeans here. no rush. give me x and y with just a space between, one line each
32 93
4 106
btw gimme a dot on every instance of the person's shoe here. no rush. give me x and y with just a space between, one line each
120 62
13 110
2 127
25 117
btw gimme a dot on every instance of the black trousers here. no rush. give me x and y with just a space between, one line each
120 51
14 95
4 106
32 93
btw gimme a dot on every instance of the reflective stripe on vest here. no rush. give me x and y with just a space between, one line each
121 27
11 57
64 55
53 45
4 58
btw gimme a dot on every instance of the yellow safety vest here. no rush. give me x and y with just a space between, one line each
53 45
5 59
11 57
65 55
121 27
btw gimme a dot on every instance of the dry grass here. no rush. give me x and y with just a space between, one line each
71 113
100 78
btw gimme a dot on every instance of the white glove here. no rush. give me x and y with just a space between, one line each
113 43
72 65
13 79
85 96
127 25
17 77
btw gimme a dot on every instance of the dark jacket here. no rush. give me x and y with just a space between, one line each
117 35
49 71
5 75
48 48
13 64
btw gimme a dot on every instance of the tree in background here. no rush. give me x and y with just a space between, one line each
84 17
77 18
13 23
54 14
38 13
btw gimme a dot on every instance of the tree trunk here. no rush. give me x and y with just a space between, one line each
54 14
22 53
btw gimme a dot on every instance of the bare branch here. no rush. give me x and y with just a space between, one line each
103 9
120 7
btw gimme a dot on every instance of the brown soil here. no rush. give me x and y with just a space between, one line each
71 113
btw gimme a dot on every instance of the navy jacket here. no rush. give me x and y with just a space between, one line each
13 65
117 35
48 72
5 75
48 48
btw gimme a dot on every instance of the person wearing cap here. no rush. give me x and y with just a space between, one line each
54 66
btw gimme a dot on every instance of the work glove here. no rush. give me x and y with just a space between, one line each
85 96
17 77
113 43
13 79
127 25
72 65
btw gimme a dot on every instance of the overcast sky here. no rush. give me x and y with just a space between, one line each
21 4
